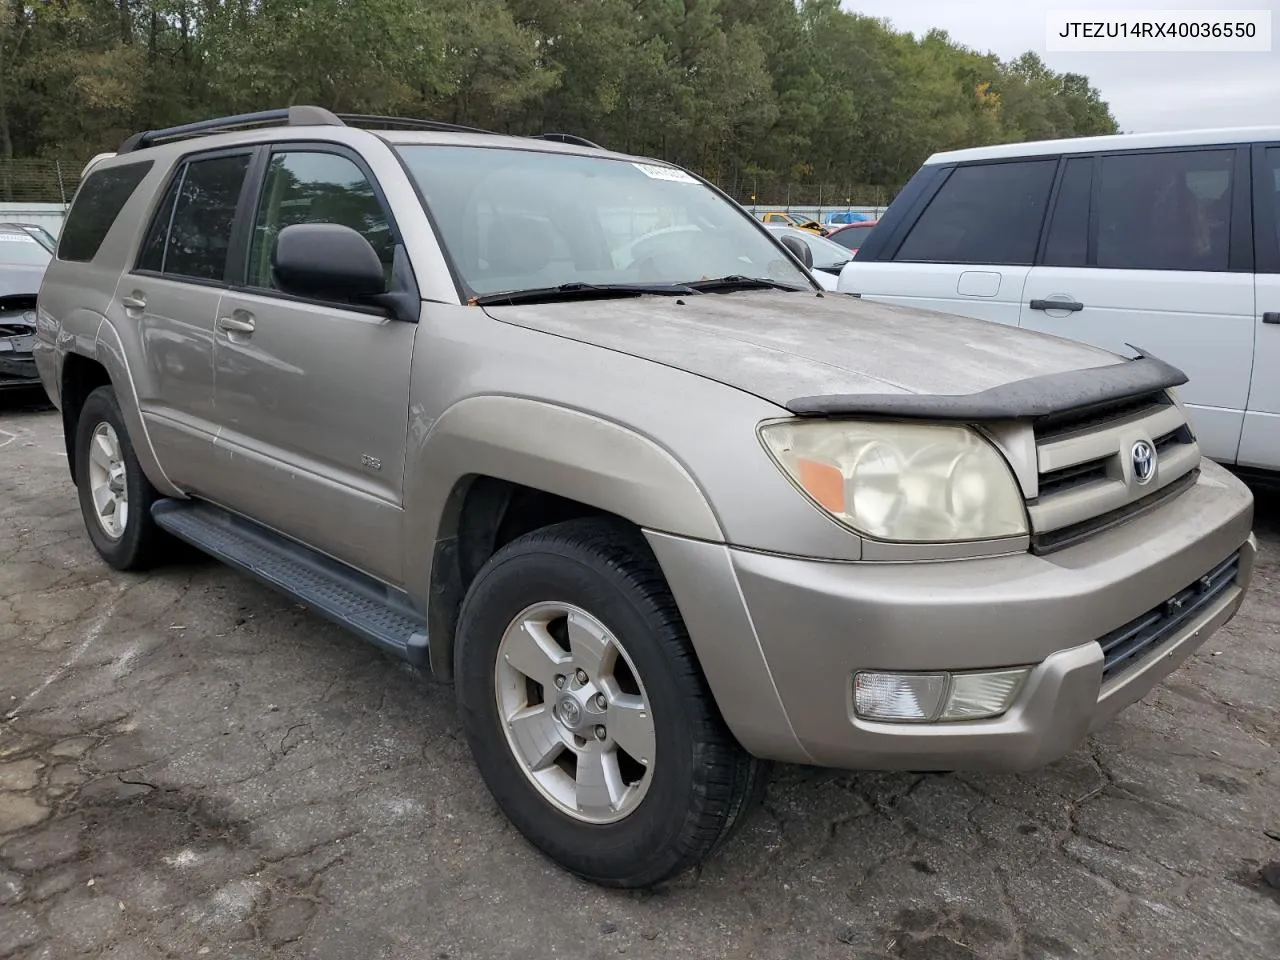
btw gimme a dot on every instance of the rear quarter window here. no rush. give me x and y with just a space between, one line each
984 213
98 202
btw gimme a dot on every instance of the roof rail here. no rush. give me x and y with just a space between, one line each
408 123
567 138
317 116
293 116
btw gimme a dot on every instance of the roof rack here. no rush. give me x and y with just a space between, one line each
292 116
572 138
407 123
302 115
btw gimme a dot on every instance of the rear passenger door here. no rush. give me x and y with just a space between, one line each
969 251
1152 250
167 304
1260 438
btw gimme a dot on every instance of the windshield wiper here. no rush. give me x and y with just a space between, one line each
581 291
739 282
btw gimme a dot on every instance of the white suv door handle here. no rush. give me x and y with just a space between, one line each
236 325
134 303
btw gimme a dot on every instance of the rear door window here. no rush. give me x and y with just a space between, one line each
1165 211
190 233
984 213
97 204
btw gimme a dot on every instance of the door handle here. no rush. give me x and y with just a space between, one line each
136 302
1271 317
1071 305
236 325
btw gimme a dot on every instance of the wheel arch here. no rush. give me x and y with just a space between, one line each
497 467
101 362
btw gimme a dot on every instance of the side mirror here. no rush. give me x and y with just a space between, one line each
326 261
800 249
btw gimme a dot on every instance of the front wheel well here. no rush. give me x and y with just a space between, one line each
80 377
488 514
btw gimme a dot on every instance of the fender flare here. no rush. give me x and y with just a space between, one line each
545 446
556 449
89 335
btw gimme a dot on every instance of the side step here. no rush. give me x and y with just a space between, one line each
366 607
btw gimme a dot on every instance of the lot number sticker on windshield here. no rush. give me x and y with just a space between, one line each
654 172
16 238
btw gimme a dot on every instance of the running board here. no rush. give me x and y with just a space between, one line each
370 609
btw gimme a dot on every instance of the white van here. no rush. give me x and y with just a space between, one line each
1168 244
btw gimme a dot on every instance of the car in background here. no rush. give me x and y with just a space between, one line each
23 259
37 232
852 236
1169 242
828 258
847 216
792 220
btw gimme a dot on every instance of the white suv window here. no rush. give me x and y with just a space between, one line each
1166 211
985 213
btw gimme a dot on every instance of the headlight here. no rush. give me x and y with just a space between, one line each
905 482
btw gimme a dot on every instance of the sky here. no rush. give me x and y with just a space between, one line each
1147 91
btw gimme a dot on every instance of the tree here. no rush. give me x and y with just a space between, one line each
786 89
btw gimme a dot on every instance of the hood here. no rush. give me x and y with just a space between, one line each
20 279
780 346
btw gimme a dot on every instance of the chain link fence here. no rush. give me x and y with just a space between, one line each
55 181
777 192
818 201
39 181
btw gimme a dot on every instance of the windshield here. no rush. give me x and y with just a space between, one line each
17 247
519 220
825 253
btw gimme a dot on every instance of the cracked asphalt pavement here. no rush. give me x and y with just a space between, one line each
192 766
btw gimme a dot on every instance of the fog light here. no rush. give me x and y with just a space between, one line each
977 695
898 696
925 697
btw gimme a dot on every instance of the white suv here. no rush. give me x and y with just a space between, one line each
1161 243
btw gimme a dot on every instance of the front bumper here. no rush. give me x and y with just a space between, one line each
17 365
813 624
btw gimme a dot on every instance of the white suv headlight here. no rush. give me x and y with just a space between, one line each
905 482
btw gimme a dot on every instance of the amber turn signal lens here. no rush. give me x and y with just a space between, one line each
823 482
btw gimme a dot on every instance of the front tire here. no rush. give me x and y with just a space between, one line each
587 713
115 495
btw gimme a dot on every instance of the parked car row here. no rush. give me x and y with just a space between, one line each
569 429
25 251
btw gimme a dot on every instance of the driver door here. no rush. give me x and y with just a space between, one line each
312 397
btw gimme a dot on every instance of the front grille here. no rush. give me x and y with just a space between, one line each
1076 475
1085 480
1172 439
1126 647
1058 425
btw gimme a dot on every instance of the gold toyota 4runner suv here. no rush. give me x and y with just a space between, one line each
573 431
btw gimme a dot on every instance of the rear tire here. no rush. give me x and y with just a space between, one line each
115 495
593 585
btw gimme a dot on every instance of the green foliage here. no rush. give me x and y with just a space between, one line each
784 90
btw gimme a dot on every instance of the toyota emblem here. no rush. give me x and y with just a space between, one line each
1143 456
